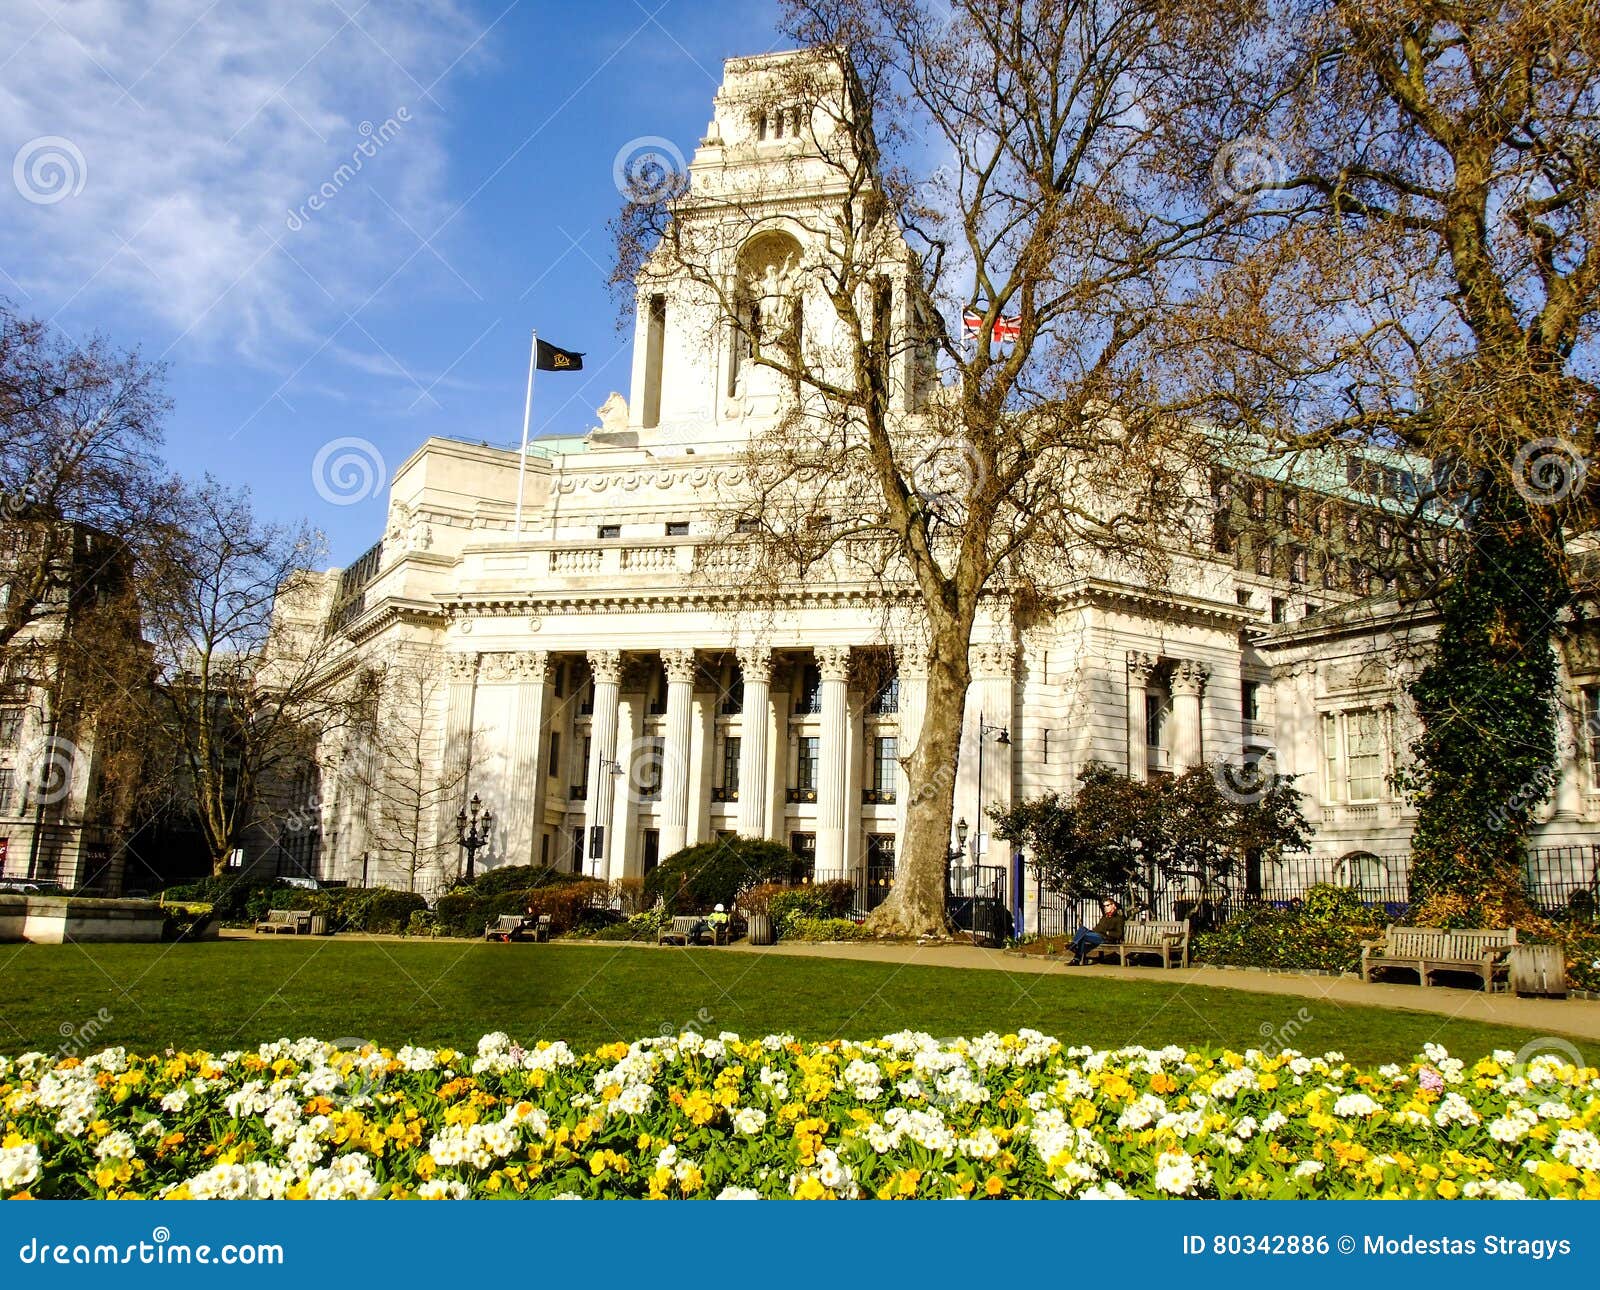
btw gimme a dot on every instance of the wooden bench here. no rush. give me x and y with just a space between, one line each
1482 951
297 922
1165 940
683 929
518 927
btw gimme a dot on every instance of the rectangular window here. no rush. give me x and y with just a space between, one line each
886 702
655 348
1291 509
1258 501
804 845
677 528
1589 740
577 849
810 702
1364 754
649 773
552 767
1154 710
10 726
1330 757
1352 526
1297 564
1330 574
733 698
580 773
806 756
1250 700
610 531
747 524
730 763
885 759
8 787
1264 560
650 850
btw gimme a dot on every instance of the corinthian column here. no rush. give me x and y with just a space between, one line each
680 666
606 665
833 763
1140 666
1188 684
755 665
531 671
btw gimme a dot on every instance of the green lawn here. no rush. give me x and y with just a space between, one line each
238 993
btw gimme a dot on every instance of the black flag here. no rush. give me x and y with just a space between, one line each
551 359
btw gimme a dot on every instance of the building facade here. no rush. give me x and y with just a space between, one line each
602 684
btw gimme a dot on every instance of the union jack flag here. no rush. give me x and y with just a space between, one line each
1007 329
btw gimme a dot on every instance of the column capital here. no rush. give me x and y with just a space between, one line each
1141 665
993 658
606 664
755 663
833 661
461 667
1189 676
680 665
911 660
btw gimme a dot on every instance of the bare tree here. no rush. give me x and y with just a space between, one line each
79 438
407 785
1419 271
246 677
991 159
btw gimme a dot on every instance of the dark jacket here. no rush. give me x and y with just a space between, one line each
1111 927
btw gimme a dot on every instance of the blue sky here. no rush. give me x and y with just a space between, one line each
164 154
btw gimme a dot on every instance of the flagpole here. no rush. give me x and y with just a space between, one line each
527 412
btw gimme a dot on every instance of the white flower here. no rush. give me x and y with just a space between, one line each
19 1166
749 1120
1176 1173
1308 1169
1352 1105
443 1189
738 1193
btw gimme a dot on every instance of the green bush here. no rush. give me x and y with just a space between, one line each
232 899
420 924
814 900
635 927
186 922
466 911
824 929
1324 930
713 873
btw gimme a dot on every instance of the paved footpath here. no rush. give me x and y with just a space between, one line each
1578 1017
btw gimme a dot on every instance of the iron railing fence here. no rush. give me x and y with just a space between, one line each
1561 882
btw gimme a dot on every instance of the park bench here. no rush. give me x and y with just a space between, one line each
683 929
1166 940
517 927
297 922
1482 951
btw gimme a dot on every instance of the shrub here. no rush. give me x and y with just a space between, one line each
818 900
1323 930
232 899
420 923
186 922
635 927
757 898
466 911
802 928
713 873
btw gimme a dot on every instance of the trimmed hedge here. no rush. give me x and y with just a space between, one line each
1322 930
467 910
713 873
818 900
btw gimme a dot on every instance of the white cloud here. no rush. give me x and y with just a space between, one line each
208 132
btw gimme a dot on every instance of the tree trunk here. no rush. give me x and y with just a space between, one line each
915 906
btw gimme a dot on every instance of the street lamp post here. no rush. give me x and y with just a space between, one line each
472 831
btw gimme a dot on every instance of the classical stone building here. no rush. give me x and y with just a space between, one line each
605 689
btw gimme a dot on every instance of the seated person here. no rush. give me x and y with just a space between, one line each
717 922
1108 931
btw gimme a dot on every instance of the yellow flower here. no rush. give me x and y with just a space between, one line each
810 1189
994 1187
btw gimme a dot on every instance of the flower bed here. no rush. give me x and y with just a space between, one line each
903 1116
